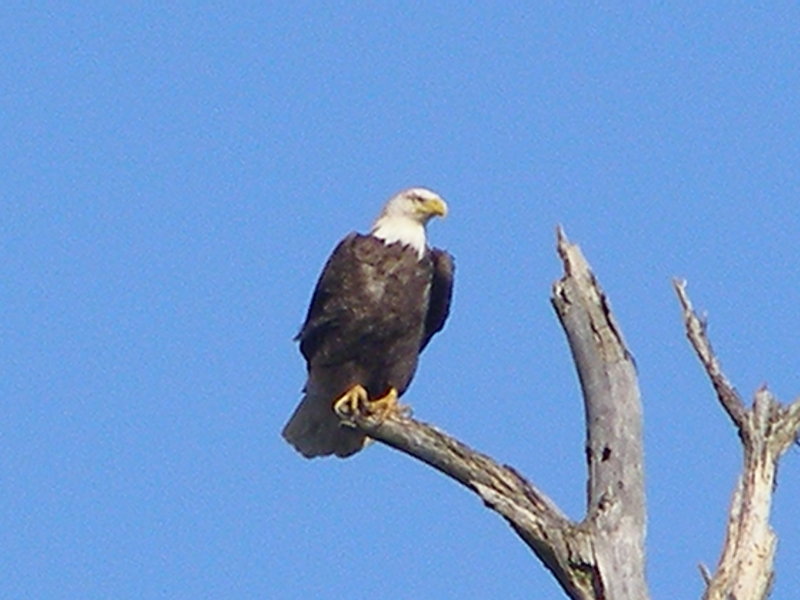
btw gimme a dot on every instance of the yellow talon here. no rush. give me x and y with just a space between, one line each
349 403
387 405
356 401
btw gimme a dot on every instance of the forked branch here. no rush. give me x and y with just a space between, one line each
745 569
602 557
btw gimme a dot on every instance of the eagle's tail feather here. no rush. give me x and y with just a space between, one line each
314 430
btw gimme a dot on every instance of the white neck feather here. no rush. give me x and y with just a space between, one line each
405 230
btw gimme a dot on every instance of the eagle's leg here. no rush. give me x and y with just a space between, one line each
387 405
351 401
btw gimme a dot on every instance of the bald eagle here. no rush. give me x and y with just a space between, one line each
379 300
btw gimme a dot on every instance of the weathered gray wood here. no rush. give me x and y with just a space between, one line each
559 543
616 510
745 569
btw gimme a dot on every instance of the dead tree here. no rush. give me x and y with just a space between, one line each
602 557
766 431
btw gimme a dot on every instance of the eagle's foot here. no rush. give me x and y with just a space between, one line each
387 405
350 402
355 401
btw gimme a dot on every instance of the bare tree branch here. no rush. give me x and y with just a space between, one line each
696 332
603 556
614 454
745 569
536 519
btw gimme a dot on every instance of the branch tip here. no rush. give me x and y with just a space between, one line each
561 235
680 288
705 574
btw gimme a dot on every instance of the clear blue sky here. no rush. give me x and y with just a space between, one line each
173 179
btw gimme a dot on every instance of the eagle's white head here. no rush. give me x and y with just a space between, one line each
405 215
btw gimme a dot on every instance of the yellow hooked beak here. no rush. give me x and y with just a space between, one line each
435 207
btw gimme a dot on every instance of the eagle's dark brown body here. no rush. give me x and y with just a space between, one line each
375 307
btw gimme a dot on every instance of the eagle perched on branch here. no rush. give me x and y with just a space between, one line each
379 300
